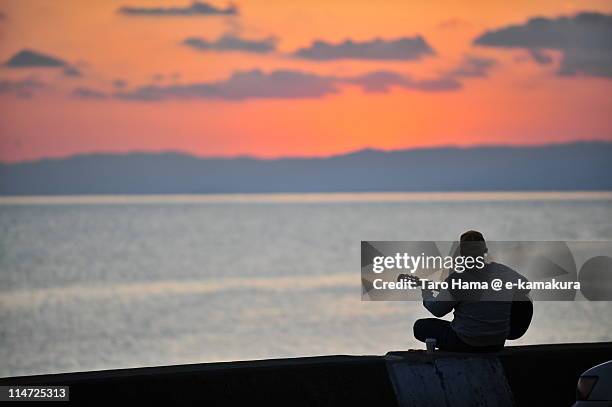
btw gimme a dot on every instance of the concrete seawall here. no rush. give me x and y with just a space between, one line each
522 376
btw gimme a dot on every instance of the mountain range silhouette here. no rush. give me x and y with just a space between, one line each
577 166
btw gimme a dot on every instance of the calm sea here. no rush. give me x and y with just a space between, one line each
109 282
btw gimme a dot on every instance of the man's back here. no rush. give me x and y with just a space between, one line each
482 317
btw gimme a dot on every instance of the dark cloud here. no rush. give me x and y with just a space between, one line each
472 67
286 85
586 62
32 59
540 56
382 81
88 93
403 49
242 85
196 8
72 71
2 16
583 39
441 84
22 88
230 42
379 81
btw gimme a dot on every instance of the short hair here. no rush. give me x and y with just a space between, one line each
472 243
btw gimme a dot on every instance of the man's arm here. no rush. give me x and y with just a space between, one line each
440 305
520 294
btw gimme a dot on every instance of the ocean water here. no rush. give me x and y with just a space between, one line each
109 282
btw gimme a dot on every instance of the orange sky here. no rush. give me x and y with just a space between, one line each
518 102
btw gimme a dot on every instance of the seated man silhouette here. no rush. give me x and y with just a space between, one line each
482 318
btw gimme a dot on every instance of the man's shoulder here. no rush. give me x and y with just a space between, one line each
505 270
499 266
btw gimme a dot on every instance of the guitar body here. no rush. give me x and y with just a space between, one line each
520 317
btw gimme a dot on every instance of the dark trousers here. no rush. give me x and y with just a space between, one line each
446 338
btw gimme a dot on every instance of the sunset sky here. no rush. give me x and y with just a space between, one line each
272 78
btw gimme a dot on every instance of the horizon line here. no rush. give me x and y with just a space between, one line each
309 197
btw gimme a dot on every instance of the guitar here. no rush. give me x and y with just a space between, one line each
520 316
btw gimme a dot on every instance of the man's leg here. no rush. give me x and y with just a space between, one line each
446 338
431 328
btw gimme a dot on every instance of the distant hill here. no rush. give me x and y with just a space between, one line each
577 166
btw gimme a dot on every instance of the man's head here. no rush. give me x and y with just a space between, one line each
472 244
